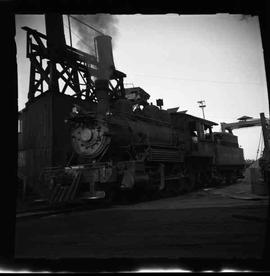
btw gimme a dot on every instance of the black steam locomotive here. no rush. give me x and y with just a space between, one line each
121 143
128 145
124 145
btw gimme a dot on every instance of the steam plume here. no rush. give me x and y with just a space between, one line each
106 23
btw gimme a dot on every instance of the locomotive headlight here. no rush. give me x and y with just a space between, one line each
86 134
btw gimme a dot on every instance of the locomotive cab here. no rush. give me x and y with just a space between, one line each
201 136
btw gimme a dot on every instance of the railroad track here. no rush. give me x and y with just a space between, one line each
61 209
81 206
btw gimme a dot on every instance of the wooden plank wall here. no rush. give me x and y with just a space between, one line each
45 139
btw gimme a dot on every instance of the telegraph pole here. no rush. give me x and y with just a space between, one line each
202 106
265 132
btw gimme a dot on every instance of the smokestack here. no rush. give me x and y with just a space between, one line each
103 44
106 66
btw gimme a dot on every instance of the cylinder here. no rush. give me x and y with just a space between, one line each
103 44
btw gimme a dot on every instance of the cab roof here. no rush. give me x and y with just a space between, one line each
194 118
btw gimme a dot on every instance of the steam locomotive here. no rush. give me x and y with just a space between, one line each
130 146
124 145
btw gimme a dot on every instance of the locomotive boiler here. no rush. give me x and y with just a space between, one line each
122 131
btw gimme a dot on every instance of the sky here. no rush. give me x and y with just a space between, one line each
182 59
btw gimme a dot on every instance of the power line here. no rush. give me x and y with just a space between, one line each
80 39
202 106
197 80
87 25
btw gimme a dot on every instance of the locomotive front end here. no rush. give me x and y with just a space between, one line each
90 140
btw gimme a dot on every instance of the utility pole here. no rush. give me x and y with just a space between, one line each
202 106
265 133
265 161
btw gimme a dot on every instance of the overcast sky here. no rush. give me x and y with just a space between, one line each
183 59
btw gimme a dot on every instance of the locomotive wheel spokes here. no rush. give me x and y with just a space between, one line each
109 196
173 186
191 183
176 186
229 179
183 183
157 194
144 195
125 197
209 179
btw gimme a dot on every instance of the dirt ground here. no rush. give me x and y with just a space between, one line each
227 223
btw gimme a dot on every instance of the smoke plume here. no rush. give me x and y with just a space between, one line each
105 23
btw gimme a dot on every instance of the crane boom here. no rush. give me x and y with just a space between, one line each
264 123
242 124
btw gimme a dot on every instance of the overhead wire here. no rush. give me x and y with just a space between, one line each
182 79
83 23
196 80
81 39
